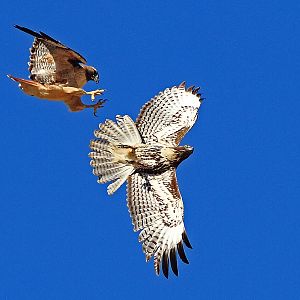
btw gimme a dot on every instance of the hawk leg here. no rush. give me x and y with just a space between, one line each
96 106
95 93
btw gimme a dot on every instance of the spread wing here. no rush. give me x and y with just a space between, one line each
50 61
156 208
167 117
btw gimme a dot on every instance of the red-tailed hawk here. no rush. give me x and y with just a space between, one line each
57 73
146 154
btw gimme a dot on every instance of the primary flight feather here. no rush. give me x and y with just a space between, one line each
146 154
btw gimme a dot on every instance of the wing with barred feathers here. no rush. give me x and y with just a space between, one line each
168 116
156 208
50 60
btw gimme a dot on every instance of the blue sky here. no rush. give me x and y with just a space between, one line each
62 237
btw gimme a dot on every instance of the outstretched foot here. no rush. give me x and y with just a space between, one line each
96 106
95 93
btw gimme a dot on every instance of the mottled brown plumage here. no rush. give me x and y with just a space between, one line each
146 154
57 73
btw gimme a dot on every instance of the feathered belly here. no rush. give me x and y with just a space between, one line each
151 159
50 92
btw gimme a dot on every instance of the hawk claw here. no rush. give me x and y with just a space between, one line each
95 93
98 105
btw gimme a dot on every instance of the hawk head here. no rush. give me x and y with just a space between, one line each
91 74
185 151
181 153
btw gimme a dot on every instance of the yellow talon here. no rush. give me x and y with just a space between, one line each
95 93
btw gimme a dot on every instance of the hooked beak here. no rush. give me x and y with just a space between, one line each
96 78
191 150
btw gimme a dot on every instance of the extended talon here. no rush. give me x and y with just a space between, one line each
96 106
95 93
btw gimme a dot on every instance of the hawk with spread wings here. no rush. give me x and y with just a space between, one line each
58 73
146 154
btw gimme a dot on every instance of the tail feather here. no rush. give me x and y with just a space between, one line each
117 131
100 146
109 132
105 136
116 184
105 169
23 81
100 159
127 125
114 173
99 156
109 162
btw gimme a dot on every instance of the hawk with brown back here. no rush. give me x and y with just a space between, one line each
58 73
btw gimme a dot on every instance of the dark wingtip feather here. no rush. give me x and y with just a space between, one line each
165 264
173 260
36 34
195 90
186 240
190 89
181 253
27 30
48 37
18 27
182 85
157 269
